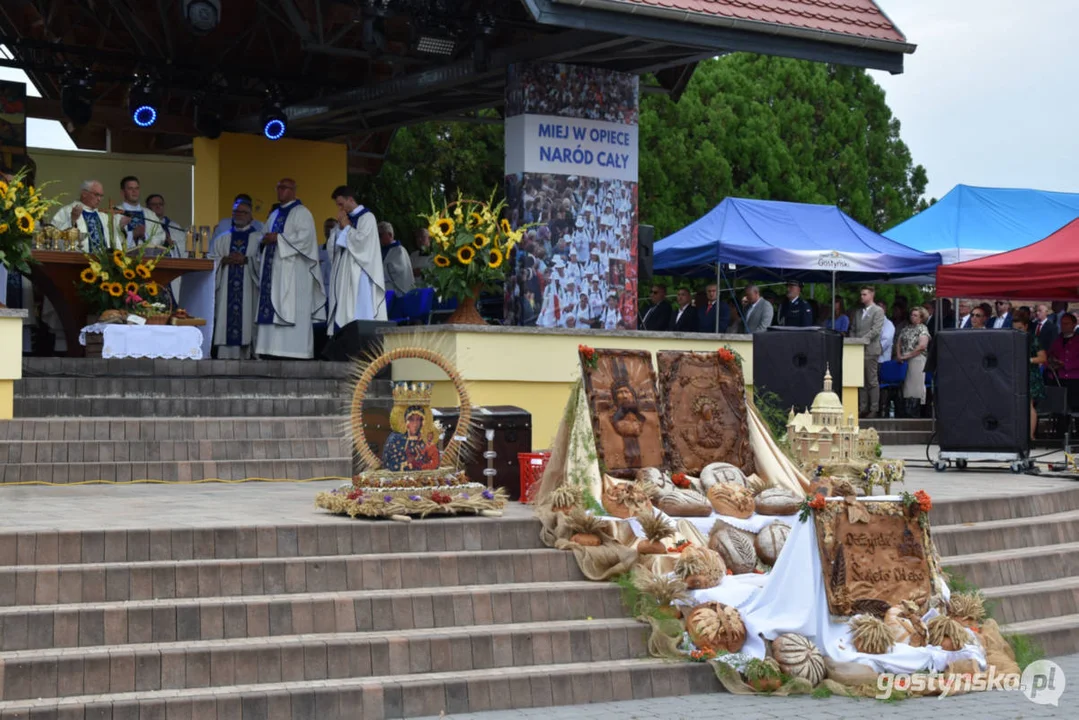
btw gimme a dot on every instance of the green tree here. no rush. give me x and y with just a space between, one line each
774 128
428 160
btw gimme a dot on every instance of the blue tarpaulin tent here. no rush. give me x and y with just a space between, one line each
973 222
789 240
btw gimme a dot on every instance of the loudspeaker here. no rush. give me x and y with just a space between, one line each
358 338
790 362
646 239
983 390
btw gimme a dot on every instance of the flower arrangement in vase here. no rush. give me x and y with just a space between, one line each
471 248
22 208
114 280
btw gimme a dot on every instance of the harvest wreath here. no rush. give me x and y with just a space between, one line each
415 476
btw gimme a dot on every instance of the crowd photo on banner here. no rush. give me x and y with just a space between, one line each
572 91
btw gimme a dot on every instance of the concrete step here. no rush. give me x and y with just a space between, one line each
178 471
395 696
958 512
66 584
144 367
163 387
220 663
190 406
187 620
328 536
1035 600
1016 566
126 429
1056 636
1018 532
95 451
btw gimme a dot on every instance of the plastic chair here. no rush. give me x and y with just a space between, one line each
391 297
892 374
415 306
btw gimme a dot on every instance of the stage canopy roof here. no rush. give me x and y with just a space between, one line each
788 240
973 222
353 71
1044 270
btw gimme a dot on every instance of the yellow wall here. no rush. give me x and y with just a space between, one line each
10 360
251 164
535 371
165 175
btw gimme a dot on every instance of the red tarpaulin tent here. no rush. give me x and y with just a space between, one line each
1046 270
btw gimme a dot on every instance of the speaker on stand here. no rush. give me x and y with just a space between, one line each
791 363
646 240
983 397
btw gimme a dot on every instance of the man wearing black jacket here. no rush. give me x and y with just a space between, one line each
685 318
658 315
795 311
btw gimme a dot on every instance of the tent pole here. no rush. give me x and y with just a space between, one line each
719 292
833 300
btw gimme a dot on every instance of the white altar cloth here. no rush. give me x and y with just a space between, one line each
174 342
791 599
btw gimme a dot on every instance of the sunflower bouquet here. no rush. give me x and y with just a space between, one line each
114 280
22 208
470 246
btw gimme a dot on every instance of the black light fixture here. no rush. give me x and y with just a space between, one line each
202 16
273 118
207 119
143 102
481 49
76 100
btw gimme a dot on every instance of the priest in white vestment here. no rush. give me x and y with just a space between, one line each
173 238
235 290
291 293
226 223
140 225
357 285
86 215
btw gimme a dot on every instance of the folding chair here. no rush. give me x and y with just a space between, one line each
892 375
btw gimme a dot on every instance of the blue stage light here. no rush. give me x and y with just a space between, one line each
143 102
274 121
144 115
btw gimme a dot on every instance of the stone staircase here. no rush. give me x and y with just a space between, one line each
121 420
1023 552
901 431
335 620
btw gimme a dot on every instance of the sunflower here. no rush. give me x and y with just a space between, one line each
506 228
441 261
465 254
105 286
132 288
88 276
151 289
116 289
25 223
118 258
496 258
129 274
476 218
445 225
3 228
142 271
3 188
481 240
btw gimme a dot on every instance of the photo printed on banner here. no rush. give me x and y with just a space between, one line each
571 175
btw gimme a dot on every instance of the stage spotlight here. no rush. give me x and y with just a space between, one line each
208 121
202 16
142 103
76 101
274 121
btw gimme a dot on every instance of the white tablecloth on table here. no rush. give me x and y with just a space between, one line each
174 342
792 599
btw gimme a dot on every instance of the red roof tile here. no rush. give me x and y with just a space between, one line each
857 18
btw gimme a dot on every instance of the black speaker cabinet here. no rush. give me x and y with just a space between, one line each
983 390
357 339
790 362
512 428
646 239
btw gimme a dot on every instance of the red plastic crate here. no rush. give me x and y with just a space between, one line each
532 466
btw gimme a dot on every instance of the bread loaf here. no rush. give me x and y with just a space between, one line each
734 546
777 501
731 500
683 503
719 472
769 542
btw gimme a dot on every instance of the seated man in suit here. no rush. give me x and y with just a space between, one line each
685 318
707 321
658 315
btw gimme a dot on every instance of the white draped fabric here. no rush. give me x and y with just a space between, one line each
291 292
357 284
791 599
147 341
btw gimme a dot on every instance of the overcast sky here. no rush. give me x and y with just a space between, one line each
987 99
